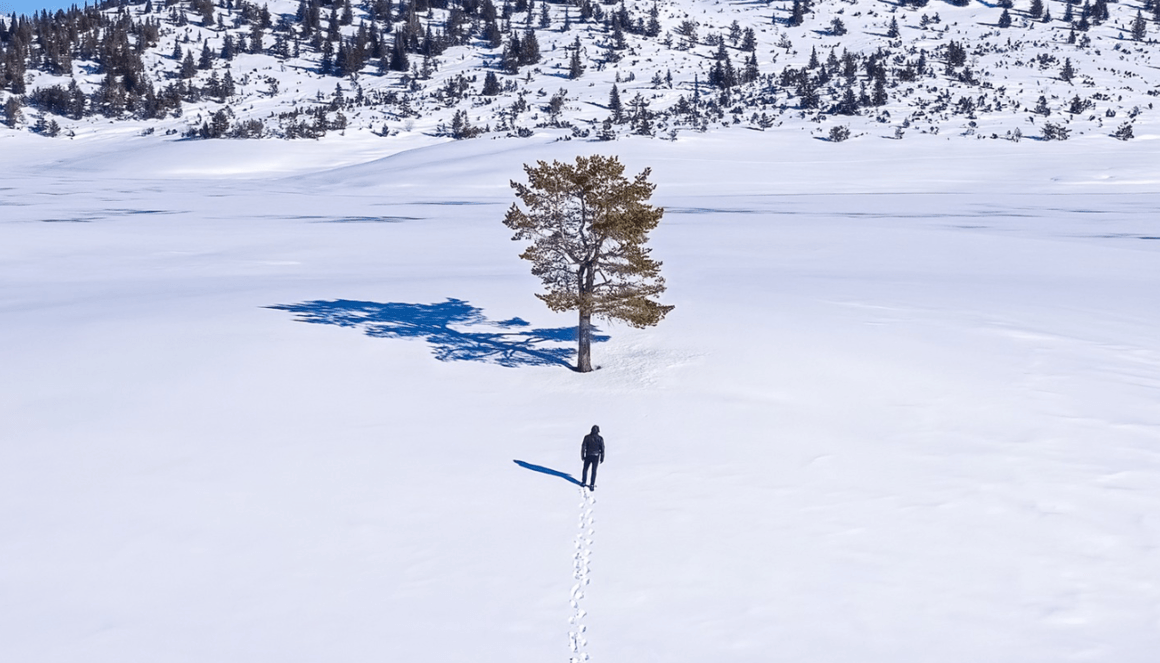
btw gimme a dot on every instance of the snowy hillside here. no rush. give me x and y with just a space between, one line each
827 69
890 419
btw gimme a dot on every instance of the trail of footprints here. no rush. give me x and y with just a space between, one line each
577 637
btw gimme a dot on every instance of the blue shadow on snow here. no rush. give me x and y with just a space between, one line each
547 470
508 343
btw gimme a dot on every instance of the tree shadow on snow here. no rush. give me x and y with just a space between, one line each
508 343
547 470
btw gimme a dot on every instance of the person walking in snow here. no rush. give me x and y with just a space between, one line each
592 453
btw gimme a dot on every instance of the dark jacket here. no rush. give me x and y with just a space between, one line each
593 447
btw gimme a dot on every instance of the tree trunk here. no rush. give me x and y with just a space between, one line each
584 332
587 285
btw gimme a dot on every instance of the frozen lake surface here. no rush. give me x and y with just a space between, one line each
261 402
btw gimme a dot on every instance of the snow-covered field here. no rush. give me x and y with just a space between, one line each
907 408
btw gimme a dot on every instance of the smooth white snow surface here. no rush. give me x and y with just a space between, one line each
907 408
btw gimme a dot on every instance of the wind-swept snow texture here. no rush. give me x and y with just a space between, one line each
255 407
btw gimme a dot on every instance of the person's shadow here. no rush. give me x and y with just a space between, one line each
549 471
505 342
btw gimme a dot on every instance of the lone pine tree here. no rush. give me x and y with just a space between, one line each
588 225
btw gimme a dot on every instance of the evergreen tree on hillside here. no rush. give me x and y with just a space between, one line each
751 70
641 117
511 55
12 112
1139 27
529 49
749 40
576 62
848 104
399 61
490 85
206 60
807 91
1100 12
880 97
797 14
257 33
492 35
188 66
615 106
607 131
653 27
1084 24
1041 107
228 50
